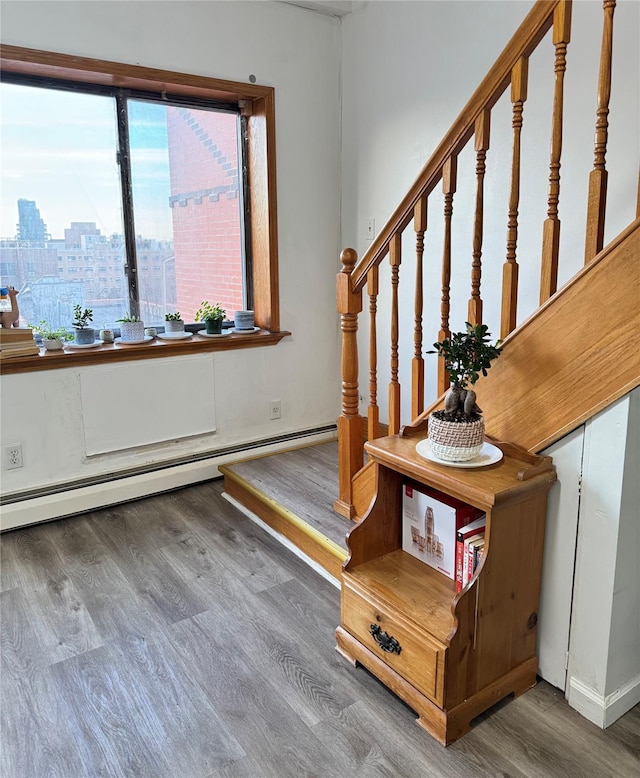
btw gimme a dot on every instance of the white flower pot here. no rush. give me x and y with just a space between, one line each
131 330
455 441
52 344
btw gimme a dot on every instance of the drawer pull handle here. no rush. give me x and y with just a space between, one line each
386 642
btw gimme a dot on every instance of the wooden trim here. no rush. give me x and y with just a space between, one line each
34 62
262 145
109 353
575 376
307 538
532 30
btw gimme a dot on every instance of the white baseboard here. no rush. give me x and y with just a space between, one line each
124 489
599 709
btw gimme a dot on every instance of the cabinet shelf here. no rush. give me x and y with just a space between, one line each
403 584
449 655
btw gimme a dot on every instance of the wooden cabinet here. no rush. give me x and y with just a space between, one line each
448 656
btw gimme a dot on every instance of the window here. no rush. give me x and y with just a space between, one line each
160 204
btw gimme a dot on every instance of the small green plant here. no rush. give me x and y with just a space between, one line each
173 316
466 355
207 311
82 318
129 318
47 332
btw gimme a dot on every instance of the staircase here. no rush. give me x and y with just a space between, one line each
568 360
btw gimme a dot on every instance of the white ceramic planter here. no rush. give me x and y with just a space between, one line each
131 330
174 326
51 344
455 441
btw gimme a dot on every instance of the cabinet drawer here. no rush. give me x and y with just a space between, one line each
408 650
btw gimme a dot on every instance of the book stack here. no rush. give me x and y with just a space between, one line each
469 550
430 521
17 342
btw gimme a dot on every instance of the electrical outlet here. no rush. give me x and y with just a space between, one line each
13 457
275 411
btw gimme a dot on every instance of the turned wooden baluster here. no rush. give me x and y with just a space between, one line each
373 413
474 308
395 251
551 230
449 175
417 364
519 78
597 202
350 423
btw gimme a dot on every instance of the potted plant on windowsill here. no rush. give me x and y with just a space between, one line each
131 328
173 322
52 339
456 434
85 334
212 316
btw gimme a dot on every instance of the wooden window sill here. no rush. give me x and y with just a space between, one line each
157 349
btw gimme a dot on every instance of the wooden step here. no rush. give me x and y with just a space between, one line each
292 492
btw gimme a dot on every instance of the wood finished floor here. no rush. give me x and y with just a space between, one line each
304 481
171 637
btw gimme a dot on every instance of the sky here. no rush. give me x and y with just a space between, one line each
59 149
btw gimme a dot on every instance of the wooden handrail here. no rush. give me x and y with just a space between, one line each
532 30
475 120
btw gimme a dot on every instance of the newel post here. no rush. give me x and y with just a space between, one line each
350 423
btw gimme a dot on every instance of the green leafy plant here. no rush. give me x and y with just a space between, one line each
47 332
129 318
172 316
82 318
207 311
467 355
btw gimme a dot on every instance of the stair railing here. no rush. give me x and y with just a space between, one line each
511 69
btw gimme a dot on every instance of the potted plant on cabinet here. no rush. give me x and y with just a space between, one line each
456 434
131 328
173 322
212 316
85 334
53 339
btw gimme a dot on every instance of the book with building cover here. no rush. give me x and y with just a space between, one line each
430 520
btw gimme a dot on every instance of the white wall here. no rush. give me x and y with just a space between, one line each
604 661
408 70
296 52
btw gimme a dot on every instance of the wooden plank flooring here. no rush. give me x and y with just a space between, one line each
304 481
172 637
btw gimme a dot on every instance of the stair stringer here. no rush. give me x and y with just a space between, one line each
573 357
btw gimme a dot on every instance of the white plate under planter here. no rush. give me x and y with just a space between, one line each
206 334
489 455
95 344
146 339
174 335
245 331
